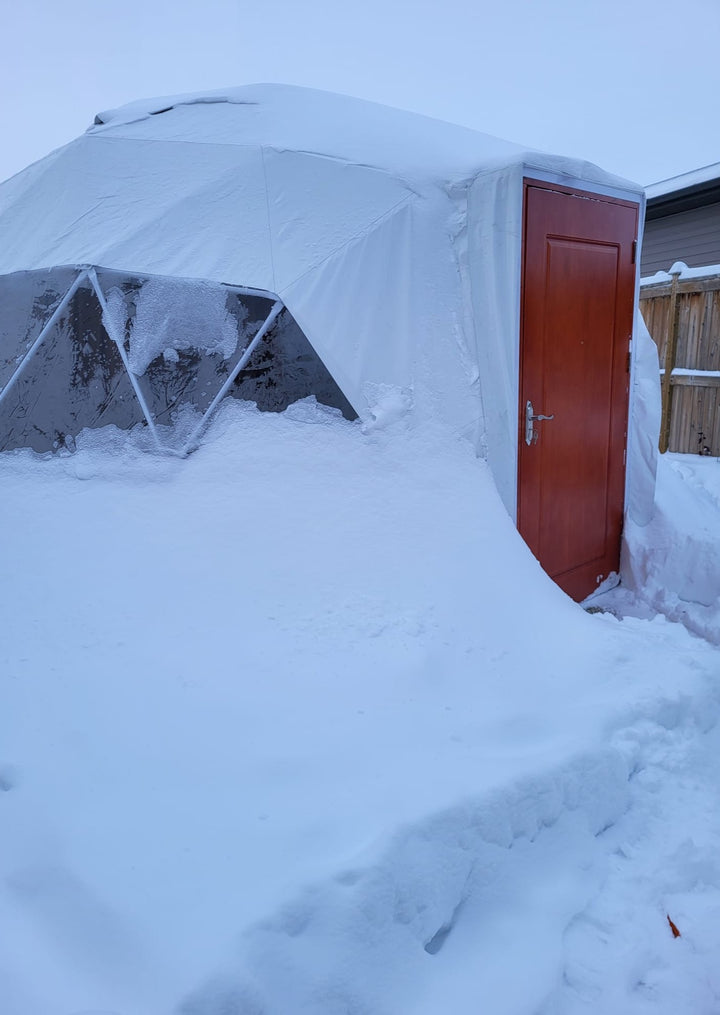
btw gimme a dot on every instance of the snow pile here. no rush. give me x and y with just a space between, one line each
644 433
298 725
673 566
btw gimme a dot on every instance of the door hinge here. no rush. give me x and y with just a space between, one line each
634 251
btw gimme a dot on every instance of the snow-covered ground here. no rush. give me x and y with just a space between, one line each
674 562
298 726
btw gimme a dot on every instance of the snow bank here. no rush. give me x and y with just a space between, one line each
672 564
644 427
299 725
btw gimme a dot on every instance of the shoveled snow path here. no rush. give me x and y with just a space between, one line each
299 726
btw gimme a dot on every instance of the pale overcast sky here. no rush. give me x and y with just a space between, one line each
629 84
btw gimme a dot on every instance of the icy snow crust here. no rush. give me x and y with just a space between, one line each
299 726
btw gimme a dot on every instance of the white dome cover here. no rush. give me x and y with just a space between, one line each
393 239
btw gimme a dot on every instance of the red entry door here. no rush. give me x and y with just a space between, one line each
578 292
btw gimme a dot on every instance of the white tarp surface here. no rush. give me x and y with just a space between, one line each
393 239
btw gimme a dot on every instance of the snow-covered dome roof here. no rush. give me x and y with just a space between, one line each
273 178
289 118
393 239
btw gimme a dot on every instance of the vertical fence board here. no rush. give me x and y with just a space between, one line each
713 336
696 429
705 338
713 428
683 349
673 330
695 309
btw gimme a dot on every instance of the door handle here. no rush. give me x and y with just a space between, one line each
530 419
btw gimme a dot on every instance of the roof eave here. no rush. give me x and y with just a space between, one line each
686 199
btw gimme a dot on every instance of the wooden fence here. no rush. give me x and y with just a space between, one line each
683 317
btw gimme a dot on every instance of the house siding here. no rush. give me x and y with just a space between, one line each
690 236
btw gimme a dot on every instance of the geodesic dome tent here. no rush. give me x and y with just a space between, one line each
374 257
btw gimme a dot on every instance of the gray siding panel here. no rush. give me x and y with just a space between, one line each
692 237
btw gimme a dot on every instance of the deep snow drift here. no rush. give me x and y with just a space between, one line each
673 563
299 726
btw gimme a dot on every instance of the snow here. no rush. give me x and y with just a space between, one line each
688 372
299 725
413 147
673 561
680 269
172 315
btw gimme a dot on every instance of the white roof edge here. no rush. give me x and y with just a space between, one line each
690 179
